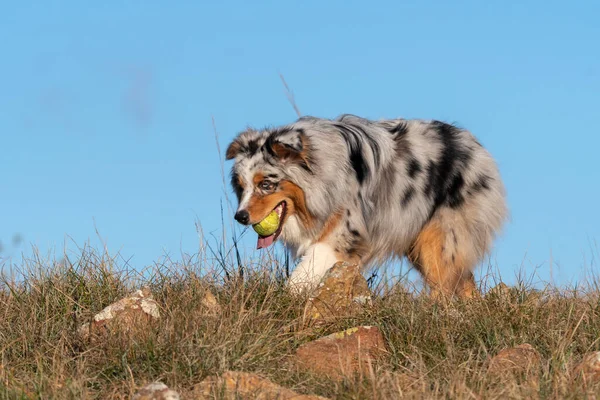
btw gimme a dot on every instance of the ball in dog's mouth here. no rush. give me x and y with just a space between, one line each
267 224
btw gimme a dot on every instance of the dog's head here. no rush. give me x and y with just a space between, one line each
262 176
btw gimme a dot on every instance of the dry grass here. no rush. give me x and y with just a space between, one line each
436 351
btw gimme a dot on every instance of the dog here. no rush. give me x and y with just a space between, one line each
367 191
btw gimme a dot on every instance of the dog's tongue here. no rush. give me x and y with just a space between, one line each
265 241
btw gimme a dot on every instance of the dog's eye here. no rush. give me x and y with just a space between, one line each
267 186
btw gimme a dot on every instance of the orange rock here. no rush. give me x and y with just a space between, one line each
520 359
589 368
243 385
209 301
501 291
342 353
342 290
129 314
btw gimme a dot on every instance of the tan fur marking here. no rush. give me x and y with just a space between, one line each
305 153
260 206
461 280
297 203
288 154
282 151
240 182
258 178
332 222
232 150
349 258
446 275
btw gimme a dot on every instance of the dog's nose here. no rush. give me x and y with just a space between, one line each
242 217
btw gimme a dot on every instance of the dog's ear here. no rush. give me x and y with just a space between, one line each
233 149
245 142
290 146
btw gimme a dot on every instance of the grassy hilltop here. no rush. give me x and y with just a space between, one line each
445 349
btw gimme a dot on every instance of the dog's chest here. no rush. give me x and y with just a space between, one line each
295 237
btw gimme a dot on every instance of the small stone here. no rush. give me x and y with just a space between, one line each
520 359
209 301
128 313
501 290
527 297
344 353
156 391
234 385
342 290
395 384
589 368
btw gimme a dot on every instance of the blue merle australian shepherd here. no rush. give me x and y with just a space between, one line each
362 191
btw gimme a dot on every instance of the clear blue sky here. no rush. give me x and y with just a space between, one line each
105 110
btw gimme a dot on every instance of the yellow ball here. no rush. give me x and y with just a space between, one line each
267 226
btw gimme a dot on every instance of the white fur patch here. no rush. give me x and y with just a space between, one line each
314 264
294 236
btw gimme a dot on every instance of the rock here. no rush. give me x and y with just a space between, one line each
129 314
343 353
243 385
589 368
209 301
523 297
156 391
397 384
523 359
535 298
501 290
342 290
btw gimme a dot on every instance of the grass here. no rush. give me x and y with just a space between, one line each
444 348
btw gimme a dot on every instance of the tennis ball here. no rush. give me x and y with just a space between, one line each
267 226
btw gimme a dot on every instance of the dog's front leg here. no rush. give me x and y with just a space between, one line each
315 262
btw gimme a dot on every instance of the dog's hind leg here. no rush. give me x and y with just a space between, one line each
445 252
